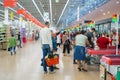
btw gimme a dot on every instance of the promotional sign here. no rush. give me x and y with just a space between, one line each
10 3
11 15
114 18
21 11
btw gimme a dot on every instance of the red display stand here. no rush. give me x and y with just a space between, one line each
111 59
101 52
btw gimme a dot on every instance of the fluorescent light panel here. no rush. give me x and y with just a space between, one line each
50 10
62 12
37 8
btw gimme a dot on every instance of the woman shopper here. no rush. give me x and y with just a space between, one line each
79 50
66 43
12 44
58 40
103 41
54 43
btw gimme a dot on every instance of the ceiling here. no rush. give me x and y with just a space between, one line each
65 12
44 6
38 12
105 11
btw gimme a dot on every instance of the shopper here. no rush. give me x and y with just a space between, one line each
36 35
103 42
66 43
58 40
61 35
54 43
46 42
79 51
12 44
19 40
90 36
33 35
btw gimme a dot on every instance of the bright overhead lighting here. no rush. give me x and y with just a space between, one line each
57 1
104 13
96 8
62 12
42 6
101 10
108 12
50 10
89 11
37 8
117 2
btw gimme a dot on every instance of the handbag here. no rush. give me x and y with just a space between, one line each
9 49
67 42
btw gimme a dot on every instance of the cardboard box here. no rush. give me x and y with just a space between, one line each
108 76
102 72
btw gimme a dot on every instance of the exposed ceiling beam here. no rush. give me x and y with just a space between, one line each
38 9
41 6
62 11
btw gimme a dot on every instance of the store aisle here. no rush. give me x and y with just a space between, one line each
25 65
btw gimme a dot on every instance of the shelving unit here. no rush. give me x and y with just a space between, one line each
4 36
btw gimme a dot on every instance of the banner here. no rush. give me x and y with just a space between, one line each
10 3
21 11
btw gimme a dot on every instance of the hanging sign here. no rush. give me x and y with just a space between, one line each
21 11
114 18
10 3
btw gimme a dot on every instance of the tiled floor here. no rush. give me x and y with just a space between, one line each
25 65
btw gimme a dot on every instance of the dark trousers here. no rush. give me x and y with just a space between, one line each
58 44
46 50
20 43
66 47
12 49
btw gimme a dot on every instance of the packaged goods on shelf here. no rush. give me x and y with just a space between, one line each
4 36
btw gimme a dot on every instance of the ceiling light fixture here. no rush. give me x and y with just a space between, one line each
95 7
57 1
89 11
117 2
104 14
62 11
108 12
101 10
50 10
42 6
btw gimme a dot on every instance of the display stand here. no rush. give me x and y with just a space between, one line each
112 62
102 72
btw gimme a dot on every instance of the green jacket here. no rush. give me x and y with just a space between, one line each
12 42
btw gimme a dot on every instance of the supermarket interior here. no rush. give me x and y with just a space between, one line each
59 39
